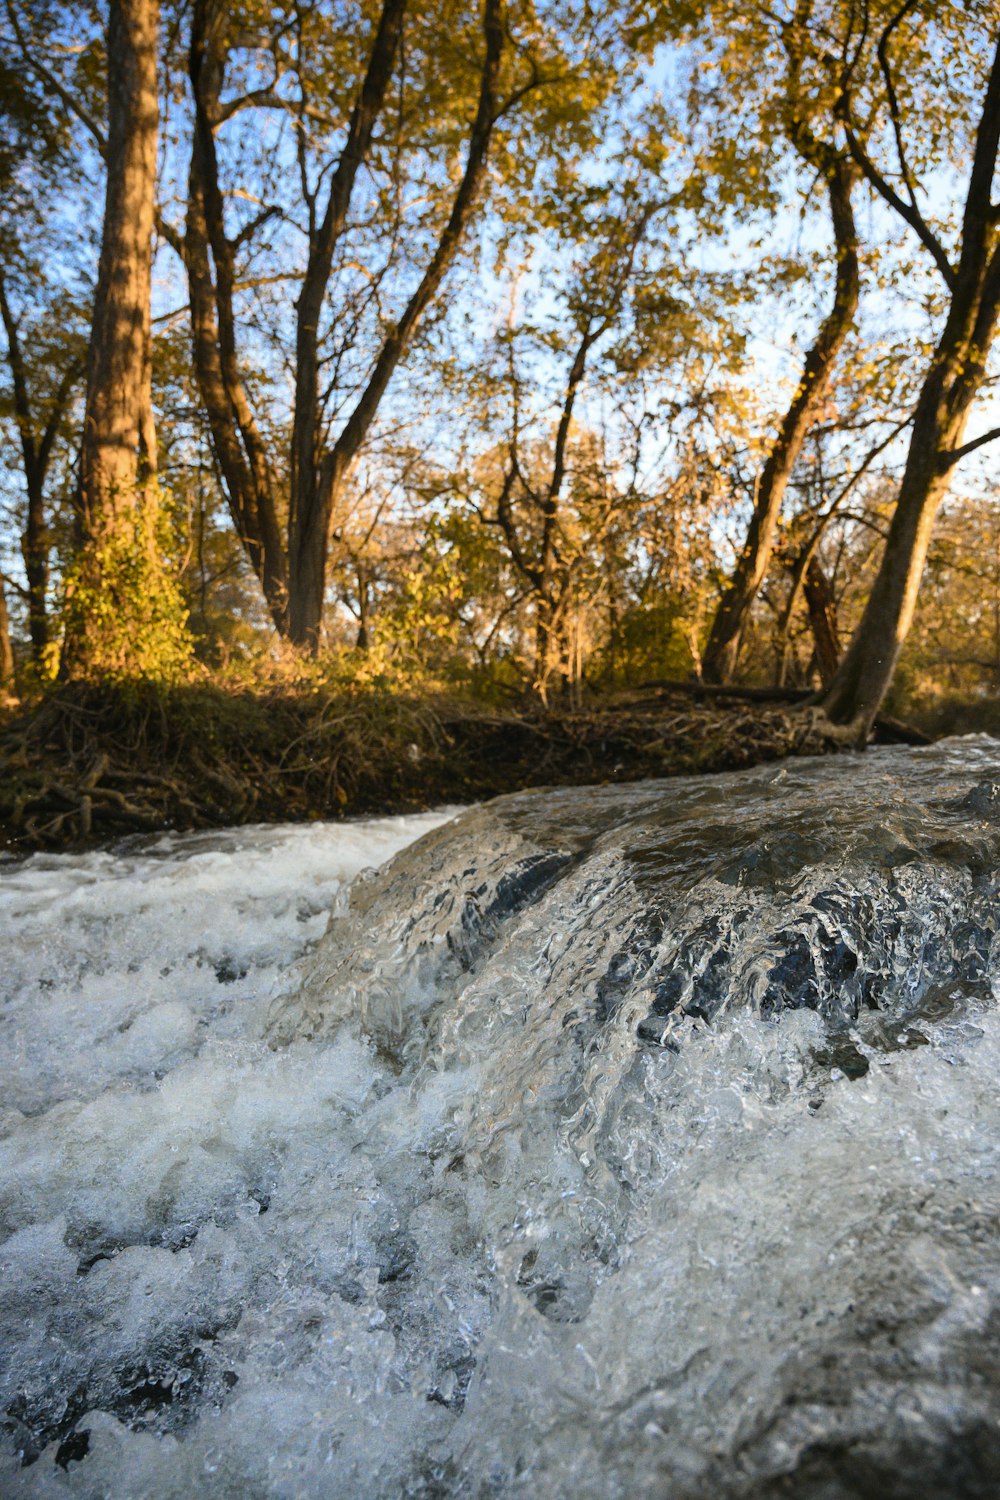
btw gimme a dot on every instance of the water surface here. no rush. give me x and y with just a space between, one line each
607 1142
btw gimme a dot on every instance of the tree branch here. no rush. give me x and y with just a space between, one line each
55 84
60 401
353 433
949 460
909 213
890 91
22 400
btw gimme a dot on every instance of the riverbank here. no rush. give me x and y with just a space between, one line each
85 765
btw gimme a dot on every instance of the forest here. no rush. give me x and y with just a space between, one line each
402 401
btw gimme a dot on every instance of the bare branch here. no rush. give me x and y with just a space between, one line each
267 98
257 222
910 214
949 460
890 92
51 80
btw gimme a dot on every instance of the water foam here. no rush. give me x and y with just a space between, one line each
631 1140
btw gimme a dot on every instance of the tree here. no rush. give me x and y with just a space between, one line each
955 374
6 648
118 417
849 443
528 503
40 416
121 617
293 572
44 280
803 124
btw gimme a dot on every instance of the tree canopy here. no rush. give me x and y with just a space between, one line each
529 346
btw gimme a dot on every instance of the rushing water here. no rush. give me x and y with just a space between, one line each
615 1142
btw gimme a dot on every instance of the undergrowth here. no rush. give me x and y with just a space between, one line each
85 763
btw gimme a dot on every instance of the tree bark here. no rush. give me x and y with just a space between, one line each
117 452
308 524
117 416
822 608
549 644
953 380
725 636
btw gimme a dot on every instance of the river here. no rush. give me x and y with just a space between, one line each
606 1142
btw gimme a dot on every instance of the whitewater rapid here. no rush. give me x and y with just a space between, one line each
607 1142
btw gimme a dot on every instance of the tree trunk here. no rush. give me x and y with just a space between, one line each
547 644
117 416
862 680
236 438
362 642
109 594
310 509
726 633
35 549
37 442
124 614
6 649
307 558
822 608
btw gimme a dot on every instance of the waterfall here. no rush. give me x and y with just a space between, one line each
618 1141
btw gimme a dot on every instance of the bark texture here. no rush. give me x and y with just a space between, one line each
117 418
822 609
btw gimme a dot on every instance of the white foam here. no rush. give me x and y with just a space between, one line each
453 1230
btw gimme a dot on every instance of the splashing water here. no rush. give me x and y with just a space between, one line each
625 1141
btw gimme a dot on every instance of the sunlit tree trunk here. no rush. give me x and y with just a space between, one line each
548 645
117 414
118 423
865 673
